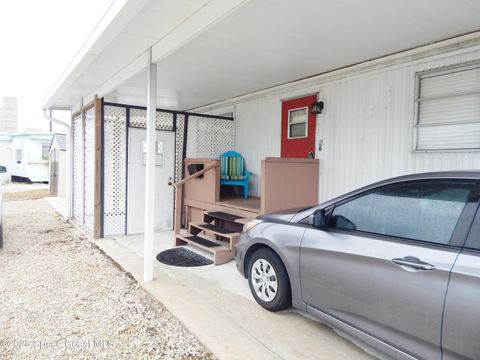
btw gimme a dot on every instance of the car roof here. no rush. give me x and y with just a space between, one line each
439 175
459 174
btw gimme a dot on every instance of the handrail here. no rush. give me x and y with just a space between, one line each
198 173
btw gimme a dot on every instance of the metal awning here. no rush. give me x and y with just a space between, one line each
209 50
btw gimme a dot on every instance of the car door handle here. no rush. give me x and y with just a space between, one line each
413 262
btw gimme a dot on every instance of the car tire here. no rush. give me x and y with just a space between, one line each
268 280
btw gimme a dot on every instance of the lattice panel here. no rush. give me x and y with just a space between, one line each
89 168
209 137
179 138
78 168
164 120
115 186
138 118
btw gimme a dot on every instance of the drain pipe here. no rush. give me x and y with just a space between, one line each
68 127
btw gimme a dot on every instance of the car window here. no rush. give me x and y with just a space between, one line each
426 212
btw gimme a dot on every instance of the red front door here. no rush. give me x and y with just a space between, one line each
298 127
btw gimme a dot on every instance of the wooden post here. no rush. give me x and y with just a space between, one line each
97 222
178 209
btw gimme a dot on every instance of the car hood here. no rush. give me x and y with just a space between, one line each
283 216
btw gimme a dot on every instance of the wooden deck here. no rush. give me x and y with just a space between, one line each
251 204
214 216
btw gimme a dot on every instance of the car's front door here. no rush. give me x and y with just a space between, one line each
461 318
382 263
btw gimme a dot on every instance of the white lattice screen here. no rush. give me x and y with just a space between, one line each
89 168
206 137
163 119
209 137
115 175
78 168
179 140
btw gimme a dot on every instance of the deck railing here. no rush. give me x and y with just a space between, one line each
179 195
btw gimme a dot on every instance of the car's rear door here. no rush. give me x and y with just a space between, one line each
461 321
383 263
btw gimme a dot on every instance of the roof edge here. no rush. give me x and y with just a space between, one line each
115 18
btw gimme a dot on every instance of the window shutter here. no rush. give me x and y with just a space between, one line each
448 112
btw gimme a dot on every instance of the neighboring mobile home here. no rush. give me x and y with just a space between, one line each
356 91
25 155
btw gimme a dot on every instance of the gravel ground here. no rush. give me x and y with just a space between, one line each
61 297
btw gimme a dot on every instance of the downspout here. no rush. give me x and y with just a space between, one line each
68 215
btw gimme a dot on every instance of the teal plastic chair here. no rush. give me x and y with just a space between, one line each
232 171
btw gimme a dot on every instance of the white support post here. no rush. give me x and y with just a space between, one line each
69 189
150 170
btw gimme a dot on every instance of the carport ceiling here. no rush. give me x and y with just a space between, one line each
269 42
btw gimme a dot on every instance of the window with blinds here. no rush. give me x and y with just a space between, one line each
448 109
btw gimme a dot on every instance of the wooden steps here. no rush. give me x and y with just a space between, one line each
221 253
218 234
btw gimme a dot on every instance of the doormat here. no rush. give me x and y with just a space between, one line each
181 256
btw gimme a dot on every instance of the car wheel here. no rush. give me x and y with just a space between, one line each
268 280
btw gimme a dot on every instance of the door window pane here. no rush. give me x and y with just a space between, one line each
427 212
297 123
298 130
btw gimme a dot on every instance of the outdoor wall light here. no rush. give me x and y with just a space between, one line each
317 107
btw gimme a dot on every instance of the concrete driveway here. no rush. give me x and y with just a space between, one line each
215 304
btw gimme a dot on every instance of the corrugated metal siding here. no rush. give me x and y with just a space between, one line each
367 128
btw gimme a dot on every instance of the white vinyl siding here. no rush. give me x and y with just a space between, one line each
448 109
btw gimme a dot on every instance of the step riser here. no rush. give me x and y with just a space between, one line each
196 231
228 238
228 225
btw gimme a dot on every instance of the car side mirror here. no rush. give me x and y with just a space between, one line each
318 219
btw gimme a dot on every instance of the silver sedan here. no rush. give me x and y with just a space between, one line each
395 264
